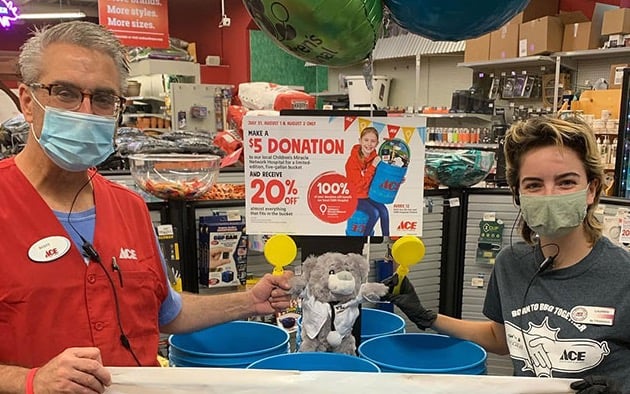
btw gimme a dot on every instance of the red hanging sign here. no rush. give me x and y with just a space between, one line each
136 23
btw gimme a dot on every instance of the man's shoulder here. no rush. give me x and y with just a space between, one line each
7 163
121 192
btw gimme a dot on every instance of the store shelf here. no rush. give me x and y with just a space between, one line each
330 95
527 61
159 66
142 99
596 53
146 115
455 115
437 146
8 66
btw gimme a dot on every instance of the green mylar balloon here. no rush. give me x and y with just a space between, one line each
325 32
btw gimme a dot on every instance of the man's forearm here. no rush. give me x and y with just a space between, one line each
200 311
12 379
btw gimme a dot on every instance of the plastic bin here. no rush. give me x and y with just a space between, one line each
361 98
234 344
424 353
316 361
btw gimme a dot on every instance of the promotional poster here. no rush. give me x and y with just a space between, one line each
341 175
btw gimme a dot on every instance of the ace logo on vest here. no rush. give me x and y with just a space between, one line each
128 254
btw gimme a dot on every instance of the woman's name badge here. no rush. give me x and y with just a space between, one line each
600 315
49 249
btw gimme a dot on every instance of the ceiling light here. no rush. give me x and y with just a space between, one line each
53 15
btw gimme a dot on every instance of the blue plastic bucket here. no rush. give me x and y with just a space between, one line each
374 323
425 353
234 344
386 182
355 226
316 361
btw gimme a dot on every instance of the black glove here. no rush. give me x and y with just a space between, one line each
408 302
596 384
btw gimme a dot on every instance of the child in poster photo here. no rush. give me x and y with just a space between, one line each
360 169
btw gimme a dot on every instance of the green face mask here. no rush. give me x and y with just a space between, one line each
555 215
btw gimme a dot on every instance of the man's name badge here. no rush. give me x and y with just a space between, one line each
49 249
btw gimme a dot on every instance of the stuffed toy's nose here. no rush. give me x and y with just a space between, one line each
341 283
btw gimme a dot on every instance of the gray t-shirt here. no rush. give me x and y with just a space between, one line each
573 322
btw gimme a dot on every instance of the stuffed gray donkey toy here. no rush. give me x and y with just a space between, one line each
331 288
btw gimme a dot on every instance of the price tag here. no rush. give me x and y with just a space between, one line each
489 216
453 202
477 282
624 238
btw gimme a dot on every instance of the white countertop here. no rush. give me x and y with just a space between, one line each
134 380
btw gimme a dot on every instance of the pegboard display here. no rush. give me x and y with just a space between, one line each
193 106
594 69
476 275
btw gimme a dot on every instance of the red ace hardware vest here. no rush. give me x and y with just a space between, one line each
50 299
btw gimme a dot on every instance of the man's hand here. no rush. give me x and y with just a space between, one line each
596 384
408 302
270 294
75 370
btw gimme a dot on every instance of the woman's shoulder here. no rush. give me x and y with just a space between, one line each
604 246
513 254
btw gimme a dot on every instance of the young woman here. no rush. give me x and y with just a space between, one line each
360 169
544 302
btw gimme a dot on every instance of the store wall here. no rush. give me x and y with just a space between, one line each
439 77
273 64
198 21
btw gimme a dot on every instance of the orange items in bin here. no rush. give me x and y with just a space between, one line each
225 191
435 110
174 190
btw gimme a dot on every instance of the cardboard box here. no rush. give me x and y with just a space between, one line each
540 36
616 22
504 42
477 49
580 33
616 75
580 36
222 250
537 9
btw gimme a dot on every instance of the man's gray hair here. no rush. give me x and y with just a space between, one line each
84 34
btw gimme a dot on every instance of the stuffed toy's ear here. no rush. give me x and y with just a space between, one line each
308 266
297 284
359 265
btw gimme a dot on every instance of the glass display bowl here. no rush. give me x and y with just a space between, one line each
174 176
458 168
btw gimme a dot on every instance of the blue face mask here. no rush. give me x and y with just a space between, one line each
76 141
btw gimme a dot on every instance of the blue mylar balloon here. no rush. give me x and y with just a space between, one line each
454 20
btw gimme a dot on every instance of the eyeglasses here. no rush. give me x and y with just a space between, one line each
71 97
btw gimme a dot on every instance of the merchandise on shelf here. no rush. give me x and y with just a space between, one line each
222 250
